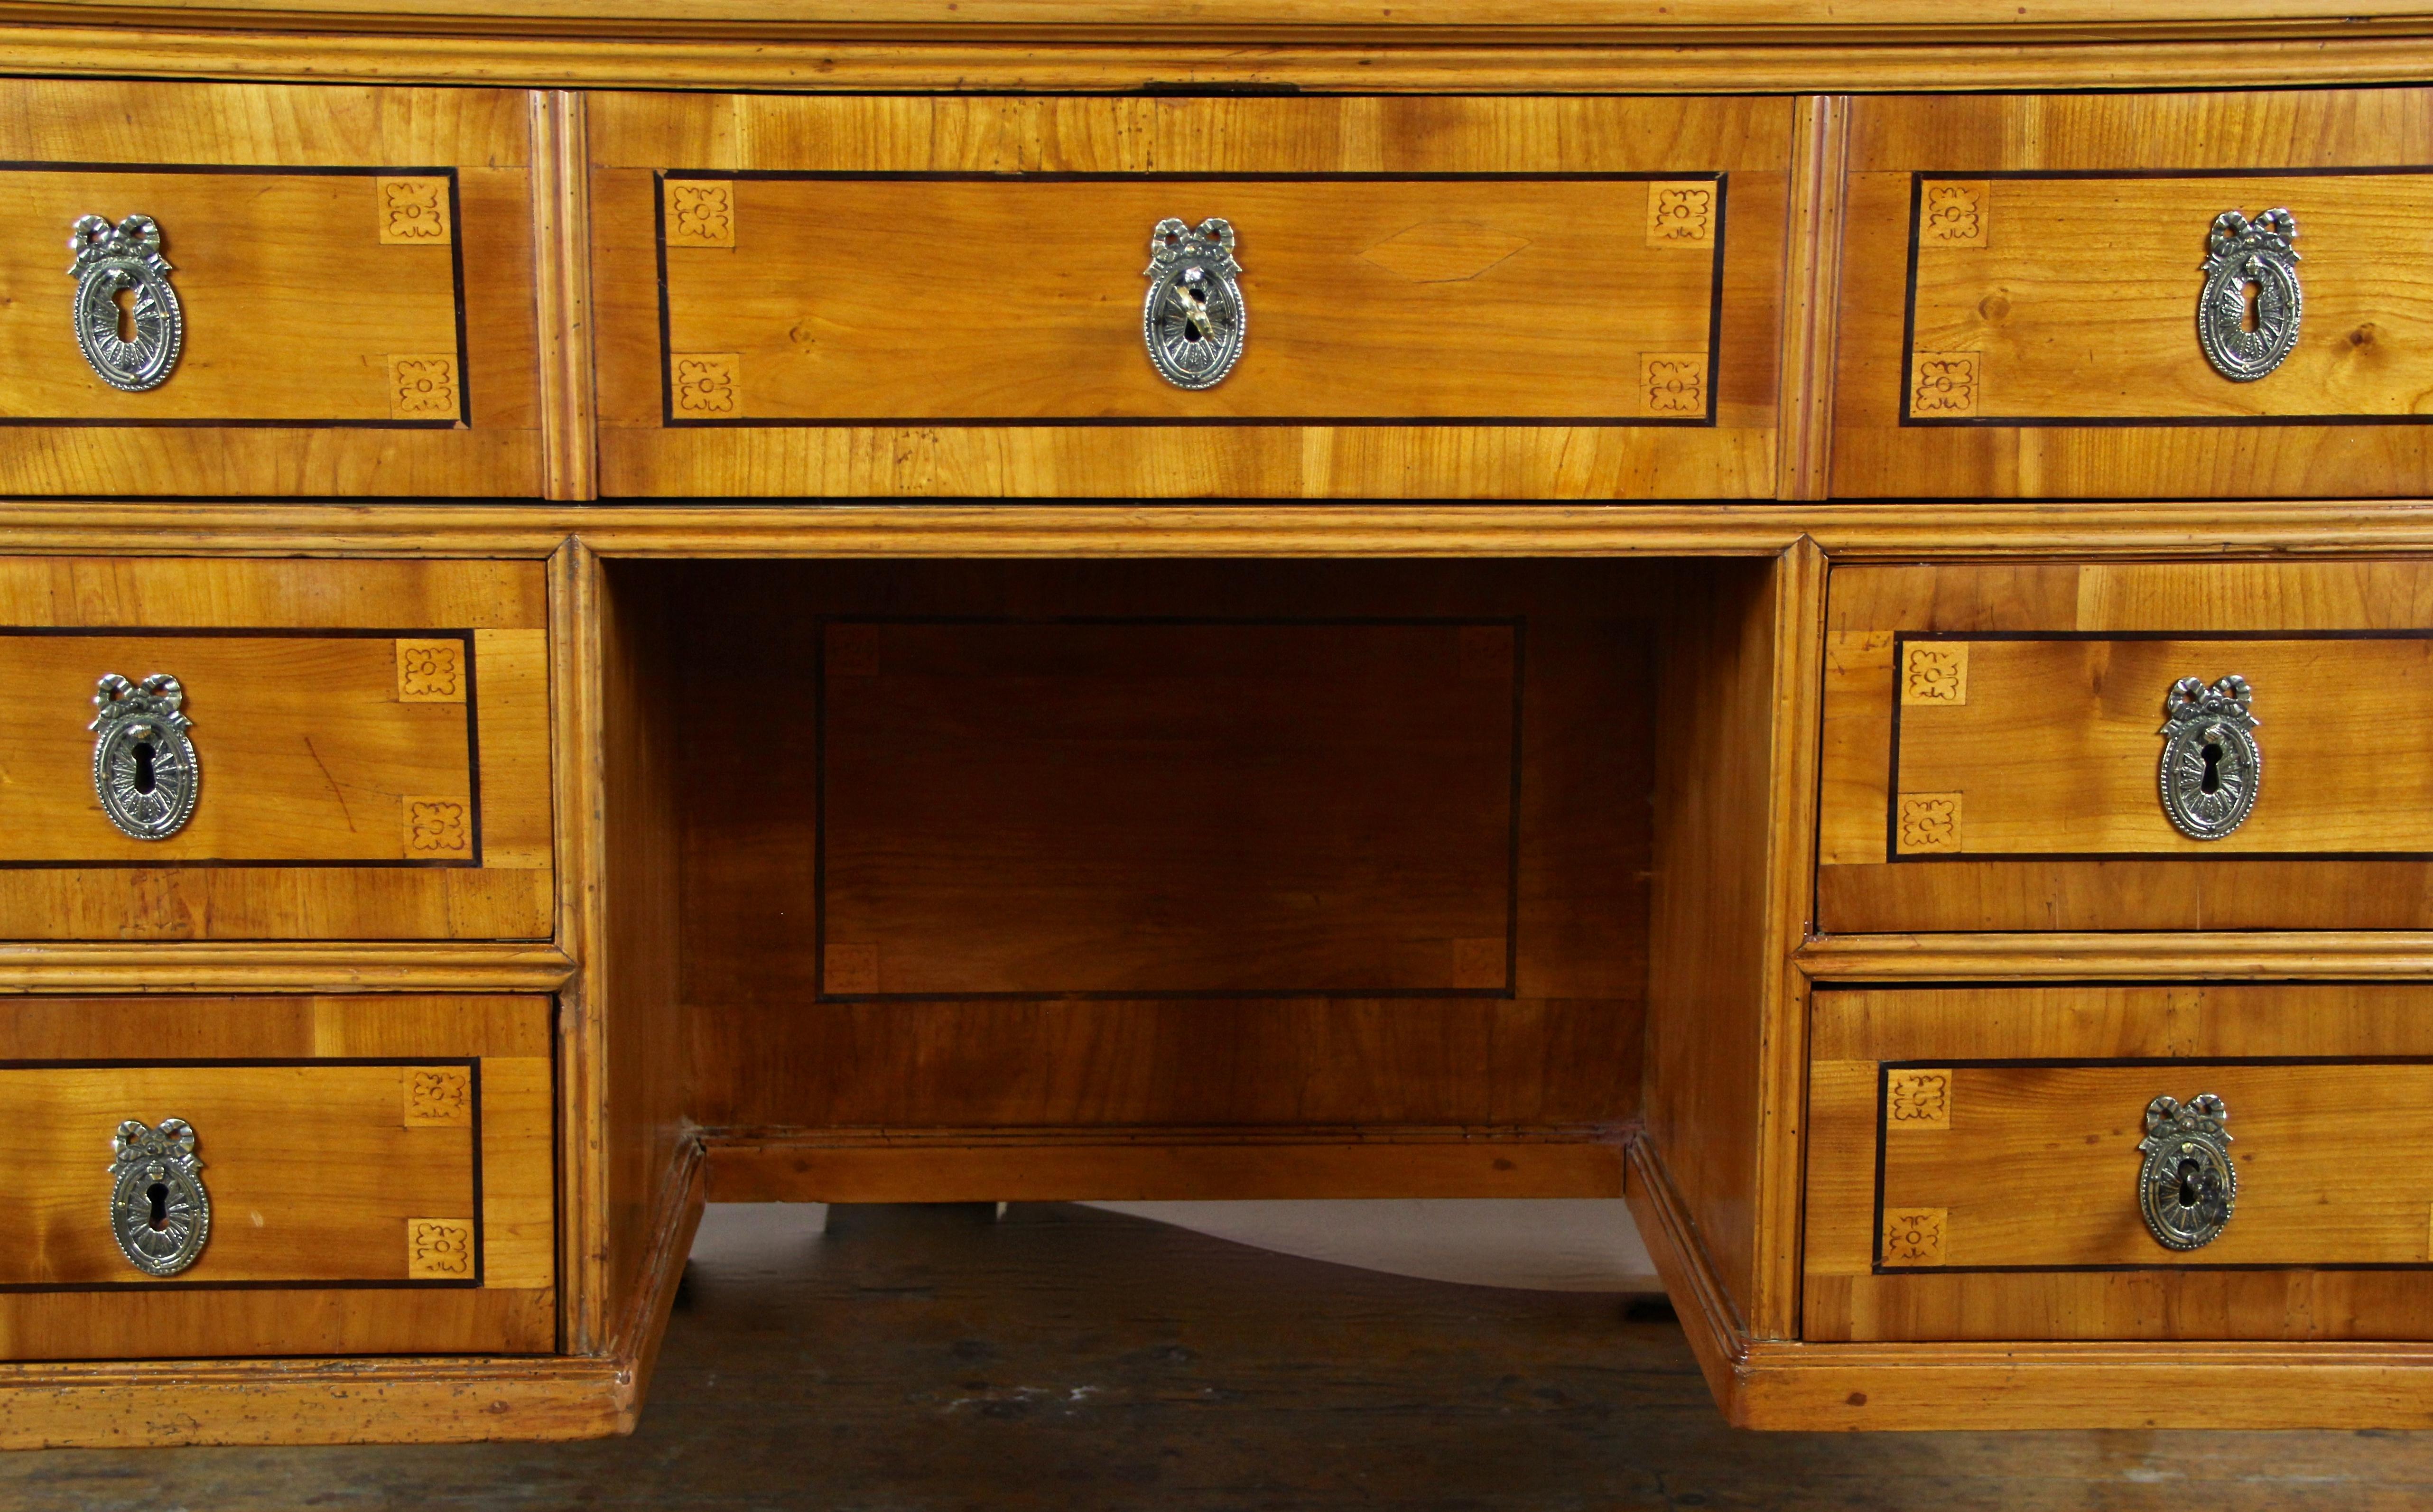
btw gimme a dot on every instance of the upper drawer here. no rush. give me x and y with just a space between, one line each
1991 1163
355 1175
896 296
2032 285
340 301
2005 747
363 749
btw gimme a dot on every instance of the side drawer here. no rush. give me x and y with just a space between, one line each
368 1176
1979 1159
2026 278
832 295
2003 747
366 753
338 296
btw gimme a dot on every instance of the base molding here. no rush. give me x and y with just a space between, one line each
1780 1383
1152 1165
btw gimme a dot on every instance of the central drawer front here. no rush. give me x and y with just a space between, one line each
2023 278
375 1176
1977 1158
946 297
368 750
1996 741
351 276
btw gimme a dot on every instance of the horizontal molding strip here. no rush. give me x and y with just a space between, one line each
265 967
1907 531
2262 954
1376 60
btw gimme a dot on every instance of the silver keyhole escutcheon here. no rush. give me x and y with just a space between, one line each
125 259
2187 1187
146 772
2247 318
1193 321
2212 767
159 1211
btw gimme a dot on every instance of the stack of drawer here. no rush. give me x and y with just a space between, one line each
2051 296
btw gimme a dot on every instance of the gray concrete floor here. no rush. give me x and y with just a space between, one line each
921 1359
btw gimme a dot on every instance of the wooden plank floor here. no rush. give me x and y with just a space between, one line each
914 1359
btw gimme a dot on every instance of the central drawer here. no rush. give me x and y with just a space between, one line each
1484 298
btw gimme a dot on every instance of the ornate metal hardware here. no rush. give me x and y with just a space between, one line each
1195 320
2211 766
2187 1187
158 1208
111 259
2244 344
145 769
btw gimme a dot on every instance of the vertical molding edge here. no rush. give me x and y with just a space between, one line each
562 281
1811 295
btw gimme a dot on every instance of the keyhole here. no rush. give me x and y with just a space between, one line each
2212 775
2247 294
144 768
125 298
2188 1192
159 1193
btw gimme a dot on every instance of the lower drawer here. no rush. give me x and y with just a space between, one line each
2194 1163
214 1177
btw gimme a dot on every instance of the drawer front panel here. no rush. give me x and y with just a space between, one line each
882 295
1975 1162
370 742
1403 300
268 267
1996 740
383 1164
352 268
307 743
2023 278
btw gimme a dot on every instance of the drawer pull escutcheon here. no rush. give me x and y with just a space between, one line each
2211 766
2250 259
2188 1186
158 1208
145 768
109 261
1195 320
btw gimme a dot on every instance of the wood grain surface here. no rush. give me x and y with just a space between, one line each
1468 296
2073 295
2062 1140
317 1166
275 205
2071 771
1325 807
1237 860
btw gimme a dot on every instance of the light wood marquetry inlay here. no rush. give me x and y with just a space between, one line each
1917 1099
706 384
1952 212
1930 822
438 1097
1680 214
1944 383
438 827
423 387
1673 382
430 671
701 215
1936 672
1914 1236
413 211
439 1248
